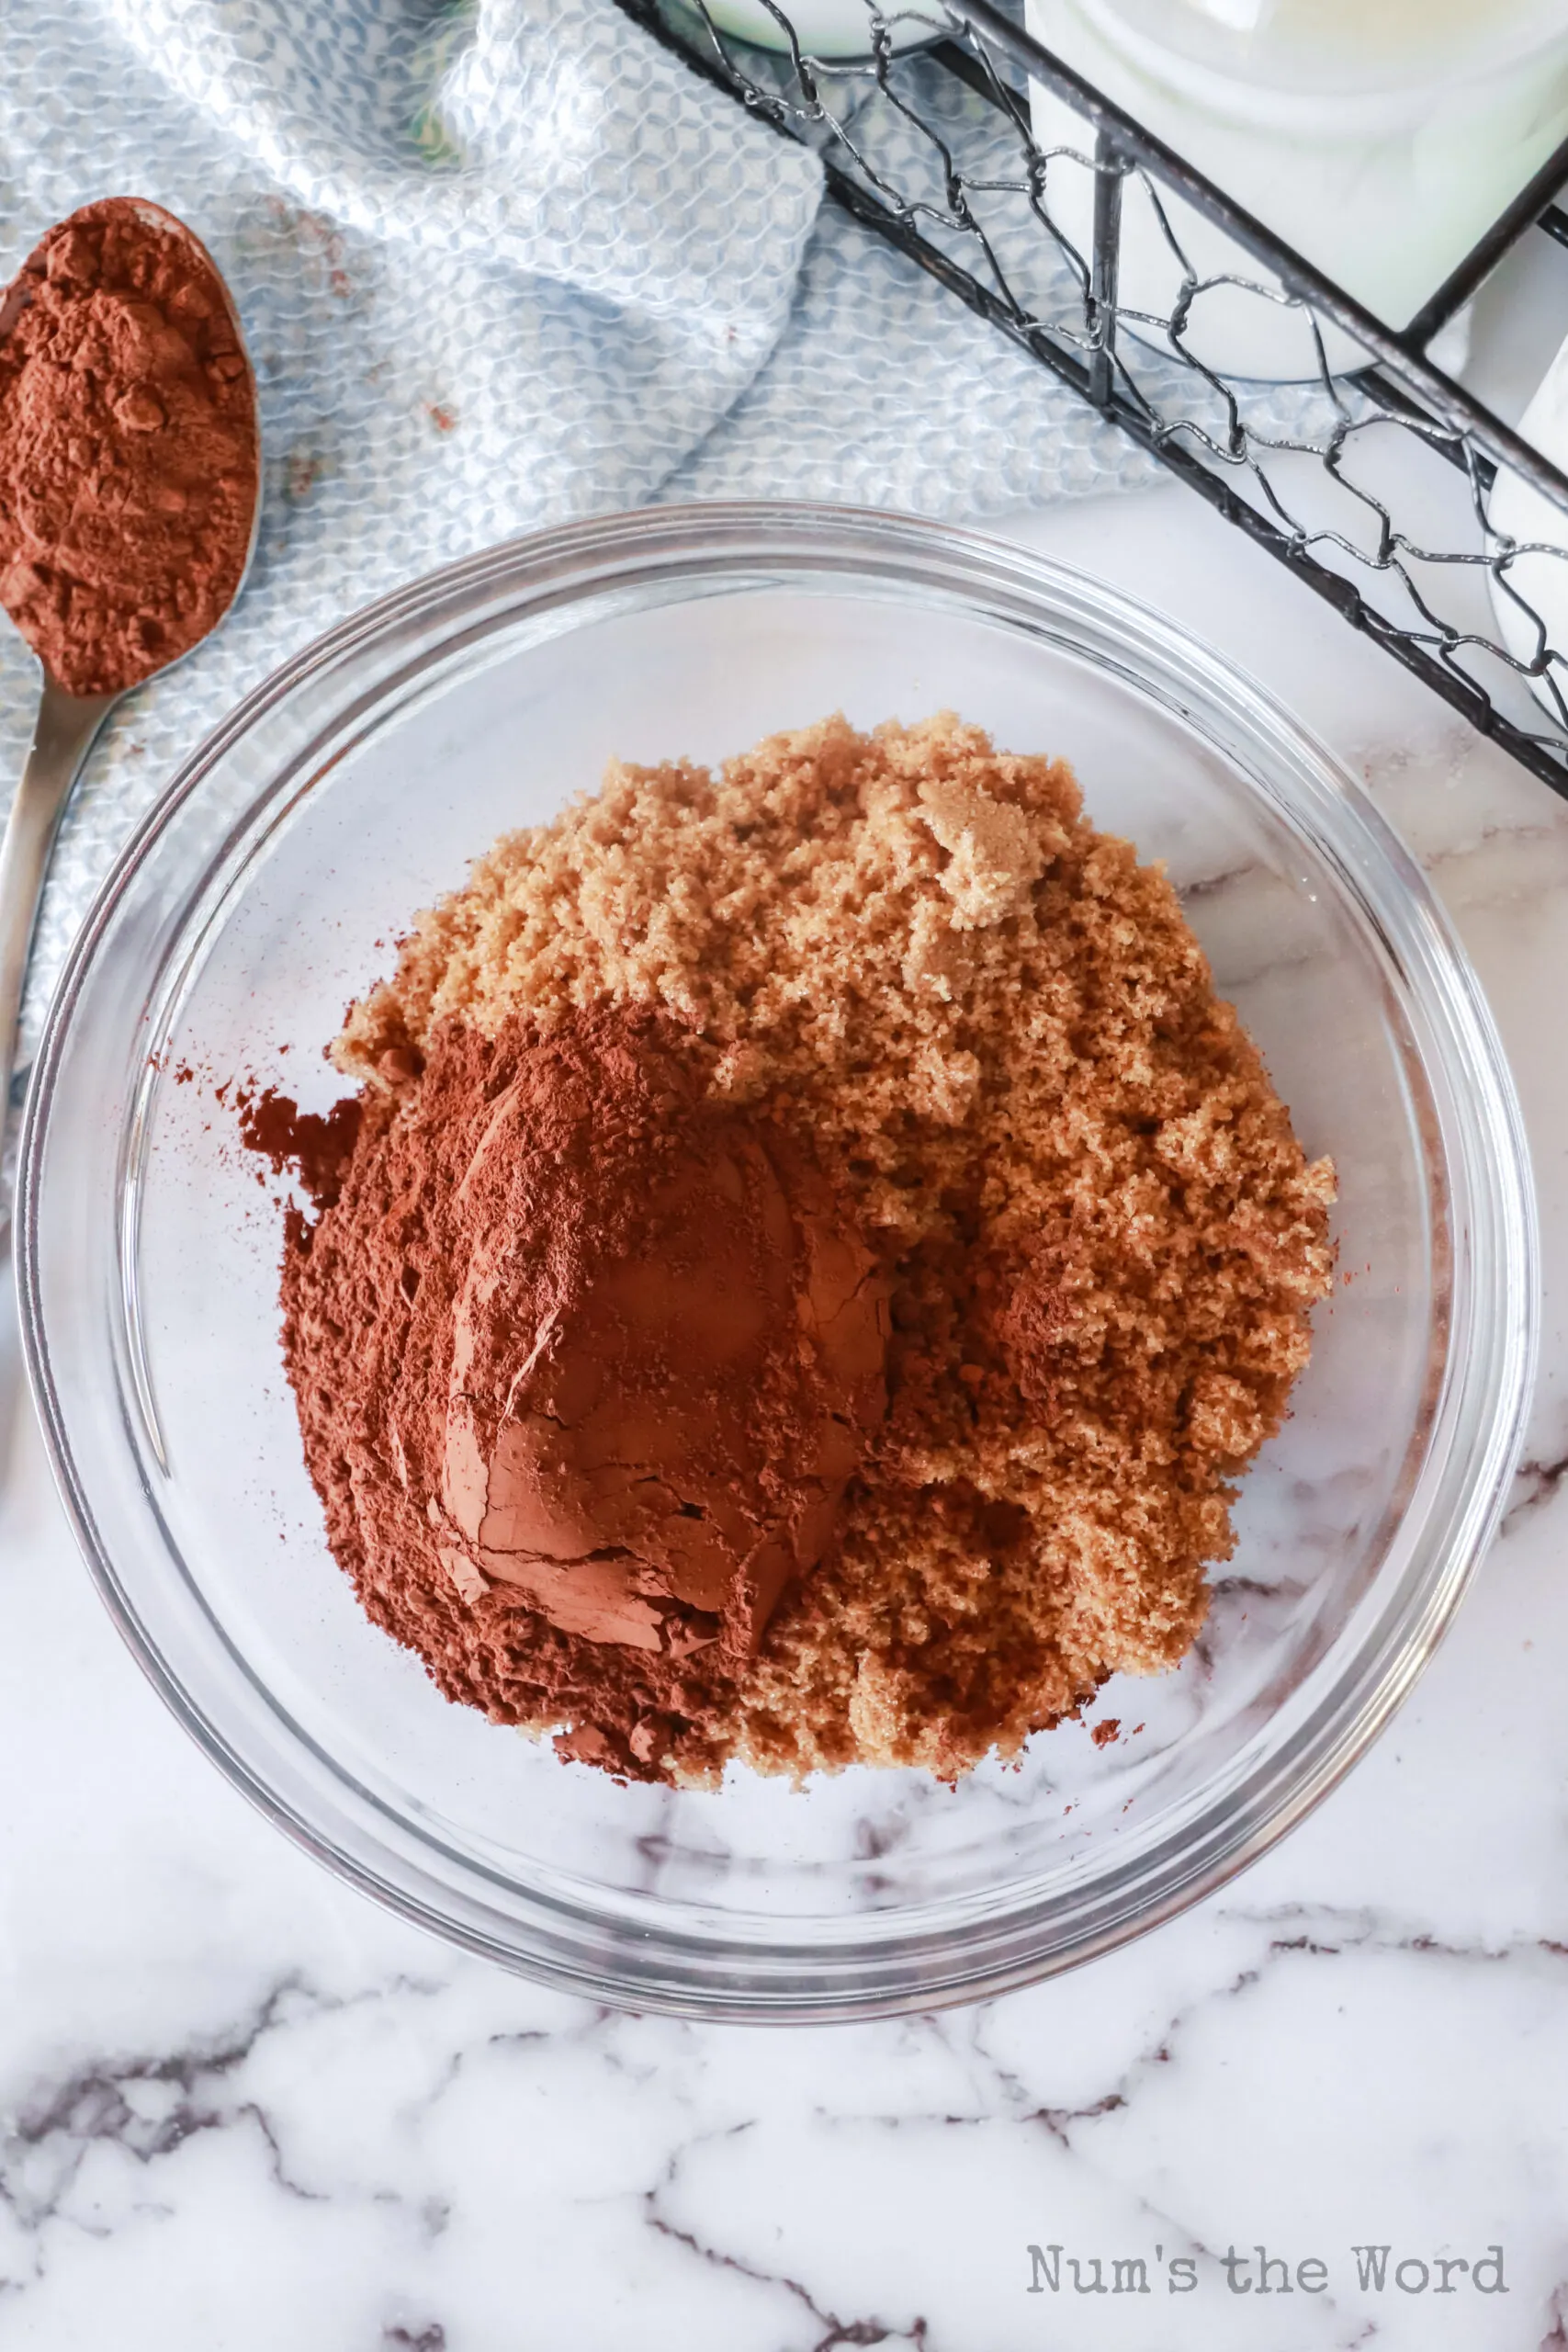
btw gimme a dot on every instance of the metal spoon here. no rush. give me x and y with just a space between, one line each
63 734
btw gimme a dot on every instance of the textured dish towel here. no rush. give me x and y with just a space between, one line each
498 266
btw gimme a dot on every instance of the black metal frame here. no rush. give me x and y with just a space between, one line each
992 55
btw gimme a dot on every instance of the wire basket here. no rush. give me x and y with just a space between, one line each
1377 478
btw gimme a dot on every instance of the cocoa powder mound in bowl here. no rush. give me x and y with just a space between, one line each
129 452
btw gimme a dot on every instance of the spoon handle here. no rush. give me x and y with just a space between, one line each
63 736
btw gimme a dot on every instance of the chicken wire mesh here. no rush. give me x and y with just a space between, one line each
1386 486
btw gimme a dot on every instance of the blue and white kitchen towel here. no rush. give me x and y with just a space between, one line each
499 265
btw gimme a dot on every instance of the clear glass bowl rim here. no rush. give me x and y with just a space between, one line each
872 1970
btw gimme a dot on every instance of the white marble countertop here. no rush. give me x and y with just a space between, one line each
241 2108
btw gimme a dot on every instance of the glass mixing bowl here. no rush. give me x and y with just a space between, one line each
264 891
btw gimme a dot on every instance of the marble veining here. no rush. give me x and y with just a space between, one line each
240 2106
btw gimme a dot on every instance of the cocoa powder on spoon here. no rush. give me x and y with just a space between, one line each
129 453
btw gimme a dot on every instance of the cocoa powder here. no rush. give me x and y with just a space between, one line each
313 1146
584 1362
128 454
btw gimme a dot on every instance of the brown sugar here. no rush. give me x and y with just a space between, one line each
994 1035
